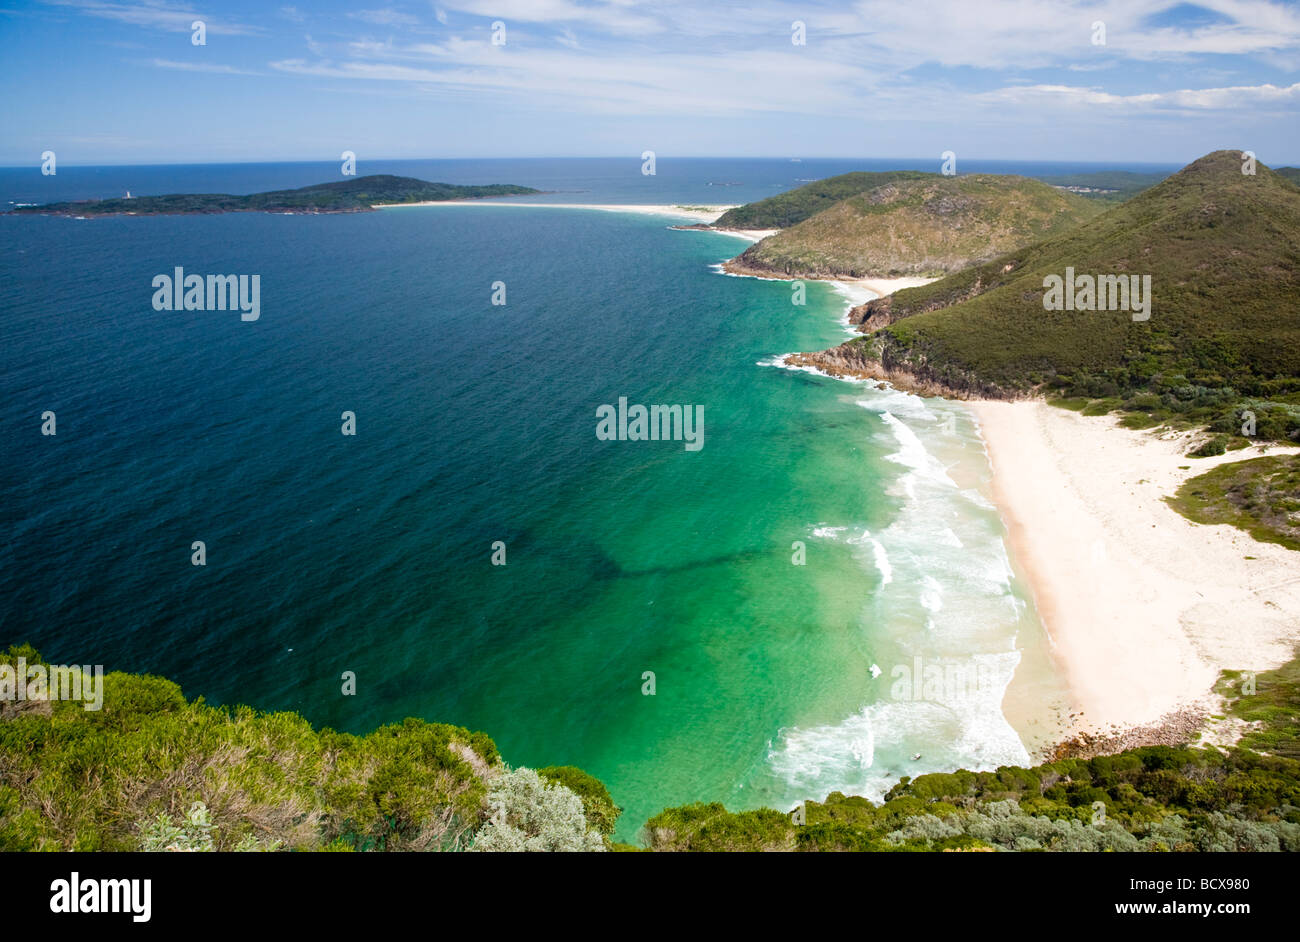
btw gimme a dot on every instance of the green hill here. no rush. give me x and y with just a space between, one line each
794 206
925 225
1222 250
1291 173
344 196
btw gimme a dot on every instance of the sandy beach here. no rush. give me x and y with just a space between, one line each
859 290
1143 608
696 214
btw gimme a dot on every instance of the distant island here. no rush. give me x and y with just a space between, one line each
359 195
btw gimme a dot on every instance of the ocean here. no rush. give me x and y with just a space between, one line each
819 598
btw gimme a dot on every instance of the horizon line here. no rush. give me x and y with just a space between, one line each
634 158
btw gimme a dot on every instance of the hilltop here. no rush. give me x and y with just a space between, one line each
924 224
344 196
794 206
1222 250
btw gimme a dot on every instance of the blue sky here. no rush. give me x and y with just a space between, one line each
120 81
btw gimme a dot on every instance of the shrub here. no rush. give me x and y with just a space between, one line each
531 814
1215 446
599 808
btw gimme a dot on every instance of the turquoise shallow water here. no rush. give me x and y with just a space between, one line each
476 423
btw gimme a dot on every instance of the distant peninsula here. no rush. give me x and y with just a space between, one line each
359 195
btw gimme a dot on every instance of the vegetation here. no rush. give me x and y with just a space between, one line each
530 813
345 196
1223 253
192 834
1291 173
1156 798
1272 709
1234 421
1259 495
794 206
153 770
929 225
598 807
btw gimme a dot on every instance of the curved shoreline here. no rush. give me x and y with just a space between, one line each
1142 608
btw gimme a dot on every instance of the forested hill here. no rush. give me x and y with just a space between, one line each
1221 250
794 206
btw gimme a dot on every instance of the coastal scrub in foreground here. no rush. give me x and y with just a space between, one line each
155 771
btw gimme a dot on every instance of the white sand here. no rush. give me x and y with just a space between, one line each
858 290
884 286
705 214
1142 606
749 235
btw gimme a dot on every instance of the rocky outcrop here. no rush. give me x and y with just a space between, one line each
881 312
880 358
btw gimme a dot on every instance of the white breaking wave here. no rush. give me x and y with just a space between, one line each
970 733
912 453
882 563
950 601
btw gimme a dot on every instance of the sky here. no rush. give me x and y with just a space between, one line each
123 81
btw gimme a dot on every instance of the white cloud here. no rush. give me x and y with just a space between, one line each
617 16
156 14
867 63
200 67
1201 99
722 83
